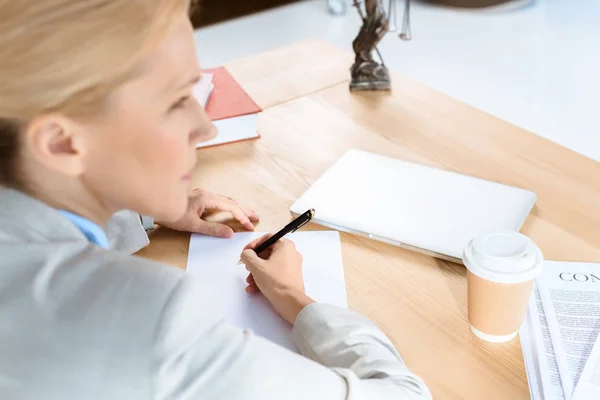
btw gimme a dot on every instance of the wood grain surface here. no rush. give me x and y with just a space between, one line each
311 119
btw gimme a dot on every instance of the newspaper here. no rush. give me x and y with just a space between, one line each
538 352
570 294
588 386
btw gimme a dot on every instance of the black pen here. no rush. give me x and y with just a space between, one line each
293 226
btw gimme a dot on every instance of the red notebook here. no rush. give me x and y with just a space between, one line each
228 99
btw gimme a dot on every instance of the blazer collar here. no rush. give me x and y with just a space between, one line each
26 218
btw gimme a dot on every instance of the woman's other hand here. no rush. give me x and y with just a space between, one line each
277 273
201 201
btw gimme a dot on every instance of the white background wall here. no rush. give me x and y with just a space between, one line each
535 63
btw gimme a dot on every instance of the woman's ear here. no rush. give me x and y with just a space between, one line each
57 143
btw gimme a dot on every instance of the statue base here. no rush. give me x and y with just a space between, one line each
369 76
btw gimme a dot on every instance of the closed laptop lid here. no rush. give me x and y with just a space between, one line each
411 204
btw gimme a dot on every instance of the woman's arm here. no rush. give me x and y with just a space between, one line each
127 233
352 344
346 355
198 356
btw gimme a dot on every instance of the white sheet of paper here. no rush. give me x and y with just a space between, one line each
233 130
214 260
530 356
588 386
570 294
538 351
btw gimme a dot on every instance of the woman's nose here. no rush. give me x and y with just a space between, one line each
205 129
203 133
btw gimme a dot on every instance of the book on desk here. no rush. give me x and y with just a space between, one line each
232 110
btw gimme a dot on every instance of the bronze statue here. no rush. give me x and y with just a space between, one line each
366 73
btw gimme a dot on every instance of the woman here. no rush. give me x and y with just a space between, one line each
97 116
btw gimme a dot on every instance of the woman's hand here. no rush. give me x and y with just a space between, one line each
201 201
277 273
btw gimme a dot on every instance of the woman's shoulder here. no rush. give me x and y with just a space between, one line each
82 305
135 285
83 283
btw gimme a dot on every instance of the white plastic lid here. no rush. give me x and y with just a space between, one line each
503 257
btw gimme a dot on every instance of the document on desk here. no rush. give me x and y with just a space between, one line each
214 261
530 356
588 386
570 294
233 130
538 352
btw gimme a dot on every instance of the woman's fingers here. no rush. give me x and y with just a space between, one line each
213 229
283 245
251 214
253 244
252 289
224 204
278 277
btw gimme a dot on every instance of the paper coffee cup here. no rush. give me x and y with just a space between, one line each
501 269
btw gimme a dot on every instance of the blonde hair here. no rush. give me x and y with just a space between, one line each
68 55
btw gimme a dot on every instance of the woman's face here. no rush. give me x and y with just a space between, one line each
141 152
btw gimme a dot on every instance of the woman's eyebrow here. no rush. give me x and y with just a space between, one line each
173 87
191 82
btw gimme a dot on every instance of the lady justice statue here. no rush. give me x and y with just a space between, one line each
366 73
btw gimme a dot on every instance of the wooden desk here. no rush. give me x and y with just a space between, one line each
311 119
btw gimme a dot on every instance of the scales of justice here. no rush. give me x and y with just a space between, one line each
366 73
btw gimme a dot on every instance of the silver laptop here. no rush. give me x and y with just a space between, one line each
429 210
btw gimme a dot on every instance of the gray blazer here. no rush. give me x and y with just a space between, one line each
81 322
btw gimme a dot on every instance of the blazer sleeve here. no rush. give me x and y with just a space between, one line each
197 355
126 233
